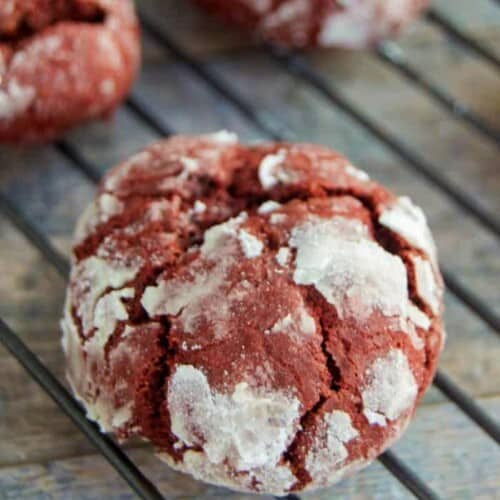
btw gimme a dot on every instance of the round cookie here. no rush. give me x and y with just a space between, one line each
324 23
63 62
266 316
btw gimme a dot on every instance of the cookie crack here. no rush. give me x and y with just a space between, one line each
294 455
27 25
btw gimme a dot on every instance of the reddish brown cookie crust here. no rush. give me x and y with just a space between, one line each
63 62
323 23
151 215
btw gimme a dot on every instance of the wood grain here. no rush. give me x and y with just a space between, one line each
426 446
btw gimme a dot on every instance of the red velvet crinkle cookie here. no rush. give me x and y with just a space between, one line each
63 62
266 316
324 23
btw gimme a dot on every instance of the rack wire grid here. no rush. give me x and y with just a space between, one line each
230 100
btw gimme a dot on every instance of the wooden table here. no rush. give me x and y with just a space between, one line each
43 455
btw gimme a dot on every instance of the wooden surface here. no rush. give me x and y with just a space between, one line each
42 455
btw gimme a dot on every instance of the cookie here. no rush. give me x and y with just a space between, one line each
63 62
307 23
266 316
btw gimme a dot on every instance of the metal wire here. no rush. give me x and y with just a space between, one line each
35 236
297 66
471 300
461 37
391 54
467 405
142 110
112 452
420 489
76 158
267 125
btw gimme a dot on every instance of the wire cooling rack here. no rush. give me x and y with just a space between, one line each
298 66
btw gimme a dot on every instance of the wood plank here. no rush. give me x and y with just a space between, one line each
426 446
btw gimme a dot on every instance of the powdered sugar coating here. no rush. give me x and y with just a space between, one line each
270 173
283 256
408 220
15 99
92 277
391 389
268 206
338 258
328 452
302 23
251 246
108 310
98 212
273 480
427 286
361 175
258 425
223 137
298 324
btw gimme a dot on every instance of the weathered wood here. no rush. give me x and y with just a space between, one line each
426 446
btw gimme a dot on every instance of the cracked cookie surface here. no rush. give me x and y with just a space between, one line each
267 316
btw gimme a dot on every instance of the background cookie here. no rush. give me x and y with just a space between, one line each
324 23
63 62
266 316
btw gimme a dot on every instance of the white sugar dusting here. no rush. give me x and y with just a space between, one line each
283 324
297 324
346 28
122 415
98 212
213 237
109 46
91 277
283 256
427 287
15 99
350 270
409 222
277 218
177 295
275 480
107 87
252 247
108 311
358 174
328 451
200 295
223 137
258 425
199 207
418 318
269 172
363 21
268 206
137 161
390 390
286 12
